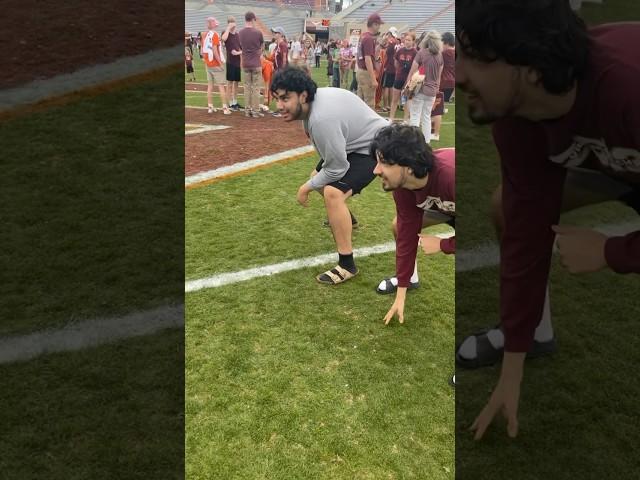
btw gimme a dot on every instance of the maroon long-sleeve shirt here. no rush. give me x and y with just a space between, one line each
411 205
601 132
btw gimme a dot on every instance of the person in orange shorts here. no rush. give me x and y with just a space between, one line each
267 73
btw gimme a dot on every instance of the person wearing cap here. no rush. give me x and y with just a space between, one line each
423 185
251 42
389 75
366 58
282 50
231 41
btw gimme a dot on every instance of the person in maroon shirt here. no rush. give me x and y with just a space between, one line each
231 41
423 186
281 53
447 83
251 42
389 73
366 61
567 137
403 61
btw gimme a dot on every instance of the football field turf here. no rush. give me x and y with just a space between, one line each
578 408
290 379
91 220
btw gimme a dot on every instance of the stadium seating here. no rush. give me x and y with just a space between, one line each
269 16
419 14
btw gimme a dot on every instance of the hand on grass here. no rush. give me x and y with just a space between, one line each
505 397
398 307
430 244
581 249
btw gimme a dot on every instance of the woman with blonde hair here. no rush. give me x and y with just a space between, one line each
430 58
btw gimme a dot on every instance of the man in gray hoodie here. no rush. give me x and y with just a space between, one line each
341 127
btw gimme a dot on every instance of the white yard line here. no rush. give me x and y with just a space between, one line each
88 77
89 333
92 333
483 256
199 128
249 164
267 270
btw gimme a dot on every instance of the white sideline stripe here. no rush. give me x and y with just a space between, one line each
203 128
120 69
239 167
89 333
198 92
484 256
488 255
92 333
244 275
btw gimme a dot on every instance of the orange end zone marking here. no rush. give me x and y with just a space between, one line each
204 183
91 92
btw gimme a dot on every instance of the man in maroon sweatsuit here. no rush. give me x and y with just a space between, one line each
565 108
423 185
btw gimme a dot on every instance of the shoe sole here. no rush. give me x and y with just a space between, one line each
539 350
412 286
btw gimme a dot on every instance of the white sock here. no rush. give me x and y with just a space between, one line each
414 277
543 333
382 284
234 101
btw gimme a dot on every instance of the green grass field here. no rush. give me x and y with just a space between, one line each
290 379
64 197
578 410
93 217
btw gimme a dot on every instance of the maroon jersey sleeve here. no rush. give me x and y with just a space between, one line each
409 226
448 245
531 197
623 253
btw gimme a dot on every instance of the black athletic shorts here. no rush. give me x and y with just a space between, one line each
584 185
398 83
359 175
233 73
447 93
388 80
632 199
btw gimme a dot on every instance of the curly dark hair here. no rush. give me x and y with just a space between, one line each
294 79
546 35
405 146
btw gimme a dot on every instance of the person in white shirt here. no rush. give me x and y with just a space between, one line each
296 51
318 52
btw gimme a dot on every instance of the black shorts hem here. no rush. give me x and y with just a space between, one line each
359 175
388 80
233 73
